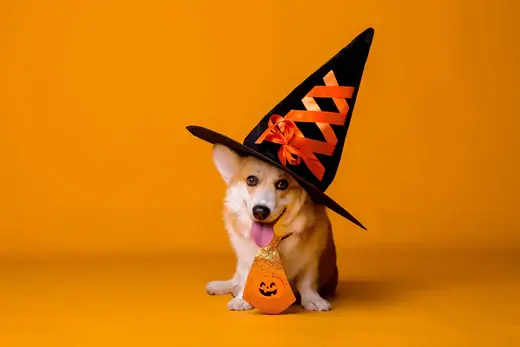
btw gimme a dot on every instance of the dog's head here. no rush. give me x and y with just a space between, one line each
259 195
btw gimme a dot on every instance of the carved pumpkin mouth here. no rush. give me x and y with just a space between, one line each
268 293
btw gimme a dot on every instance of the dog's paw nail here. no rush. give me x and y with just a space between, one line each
238 304
218 288
319 304
210 289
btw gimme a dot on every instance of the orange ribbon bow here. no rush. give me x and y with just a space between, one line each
295 146
283 132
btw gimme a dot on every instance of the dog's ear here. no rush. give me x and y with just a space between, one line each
226 161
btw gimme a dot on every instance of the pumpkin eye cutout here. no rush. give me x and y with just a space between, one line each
282 184
252 181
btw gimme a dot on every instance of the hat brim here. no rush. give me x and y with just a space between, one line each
317 195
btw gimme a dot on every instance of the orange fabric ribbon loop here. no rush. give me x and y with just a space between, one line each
295 146
282 132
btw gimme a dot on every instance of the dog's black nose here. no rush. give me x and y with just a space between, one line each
260 212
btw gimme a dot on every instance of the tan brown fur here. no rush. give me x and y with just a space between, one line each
308 255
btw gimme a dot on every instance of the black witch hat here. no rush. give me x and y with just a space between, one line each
305 133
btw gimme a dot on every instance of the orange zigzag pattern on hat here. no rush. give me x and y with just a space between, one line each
295 146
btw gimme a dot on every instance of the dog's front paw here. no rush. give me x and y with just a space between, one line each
316 304
219 287
238 304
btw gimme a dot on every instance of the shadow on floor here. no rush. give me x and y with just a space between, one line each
366 292
372 291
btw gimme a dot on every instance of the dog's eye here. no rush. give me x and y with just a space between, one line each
282 184
252 181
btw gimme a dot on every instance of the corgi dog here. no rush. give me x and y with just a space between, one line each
258 197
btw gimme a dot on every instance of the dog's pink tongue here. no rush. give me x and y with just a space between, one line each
261 234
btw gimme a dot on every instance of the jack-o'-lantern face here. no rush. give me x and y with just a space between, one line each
270 287
268 290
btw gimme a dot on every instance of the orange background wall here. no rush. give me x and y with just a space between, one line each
95 95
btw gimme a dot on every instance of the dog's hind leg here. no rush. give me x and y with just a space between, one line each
220 287
231 286
223 287
306 285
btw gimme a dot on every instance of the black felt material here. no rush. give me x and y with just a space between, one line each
348 66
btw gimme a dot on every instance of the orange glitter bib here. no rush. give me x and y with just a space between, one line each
267 288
